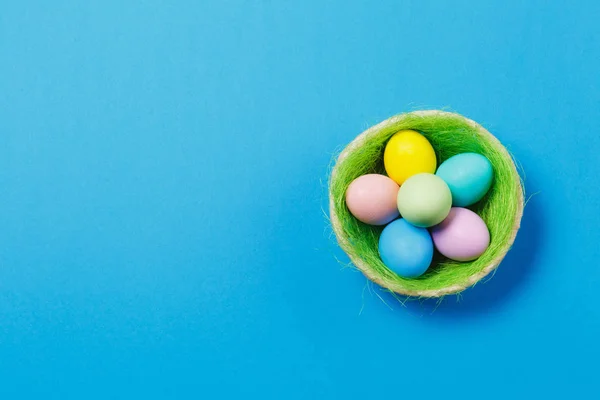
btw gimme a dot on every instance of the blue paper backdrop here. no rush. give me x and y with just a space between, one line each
163 178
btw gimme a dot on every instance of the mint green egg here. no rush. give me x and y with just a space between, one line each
424 200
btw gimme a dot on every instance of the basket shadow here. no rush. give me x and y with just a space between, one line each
511 276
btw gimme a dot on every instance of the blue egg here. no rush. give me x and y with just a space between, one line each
469 177
406 249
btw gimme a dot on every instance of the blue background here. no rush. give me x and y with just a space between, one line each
163 178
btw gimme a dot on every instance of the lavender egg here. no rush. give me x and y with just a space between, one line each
462 236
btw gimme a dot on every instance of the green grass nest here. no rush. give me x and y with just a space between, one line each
449 134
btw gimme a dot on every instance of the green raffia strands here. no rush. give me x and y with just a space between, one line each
449 134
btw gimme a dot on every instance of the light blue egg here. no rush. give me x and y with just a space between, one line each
406 249
469 177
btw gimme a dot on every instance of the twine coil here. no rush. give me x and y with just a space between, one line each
449 134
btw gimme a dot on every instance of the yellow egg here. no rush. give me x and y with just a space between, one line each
408 153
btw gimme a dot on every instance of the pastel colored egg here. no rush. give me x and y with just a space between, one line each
469 177
408 153
462 236
424 200
405 249
372 198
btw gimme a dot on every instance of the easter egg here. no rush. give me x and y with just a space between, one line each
405 249
469 177
462 236
372 198
408 153
424 200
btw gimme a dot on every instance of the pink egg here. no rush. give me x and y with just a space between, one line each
372 199
462 236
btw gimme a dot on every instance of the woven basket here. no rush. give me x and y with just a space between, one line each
431 285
